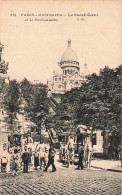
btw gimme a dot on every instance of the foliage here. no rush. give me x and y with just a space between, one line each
35 101
97 102
12 100
26 98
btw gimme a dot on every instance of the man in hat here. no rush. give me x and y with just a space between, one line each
81 153
25 159
51 159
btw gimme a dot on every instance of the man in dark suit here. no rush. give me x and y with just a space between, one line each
51 159
81 153
25 159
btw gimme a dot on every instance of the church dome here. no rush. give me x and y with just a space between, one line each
69 54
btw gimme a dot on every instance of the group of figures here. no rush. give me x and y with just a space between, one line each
23 154
70 155
26 156
40 158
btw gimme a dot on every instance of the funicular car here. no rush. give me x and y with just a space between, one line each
14 147
84 137
15 142
66 154
63 138
15 139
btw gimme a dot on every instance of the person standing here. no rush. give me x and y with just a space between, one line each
5 160
15 166
51 159
30 156
81 153
36 159
25 159
70 153
42 157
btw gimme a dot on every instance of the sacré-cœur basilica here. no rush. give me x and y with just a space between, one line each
68 75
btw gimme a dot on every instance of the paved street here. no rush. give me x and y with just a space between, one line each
63 181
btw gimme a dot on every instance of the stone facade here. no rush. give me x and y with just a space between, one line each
69 76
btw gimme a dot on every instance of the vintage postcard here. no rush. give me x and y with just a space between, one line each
60 97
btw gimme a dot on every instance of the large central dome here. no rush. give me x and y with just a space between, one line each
69 54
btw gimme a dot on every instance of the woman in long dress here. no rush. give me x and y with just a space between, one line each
36 159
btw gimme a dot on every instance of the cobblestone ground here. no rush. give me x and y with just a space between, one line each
62 182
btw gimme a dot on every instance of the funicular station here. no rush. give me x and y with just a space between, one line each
68 143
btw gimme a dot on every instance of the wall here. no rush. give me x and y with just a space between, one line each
98 147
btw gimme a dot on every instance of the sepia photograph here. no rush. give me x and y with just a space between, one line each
60 97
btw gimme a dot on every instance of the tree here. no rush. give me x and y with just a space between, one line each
12 100
97 102
35 102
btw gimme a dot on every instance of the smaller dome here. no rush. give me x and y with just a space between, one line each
58 71
69 54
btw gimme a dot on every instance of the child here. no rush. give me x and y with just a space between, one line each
15 166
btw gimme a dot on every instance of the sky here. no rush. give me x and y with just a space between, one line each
33 48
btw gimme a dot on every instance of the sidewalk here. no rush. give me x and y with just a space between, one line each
109 165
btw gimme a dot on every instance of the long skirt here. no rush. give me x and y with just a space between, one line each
36 161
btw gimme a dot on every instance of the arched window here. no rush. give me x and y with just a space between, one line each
65 72
71 71
68 71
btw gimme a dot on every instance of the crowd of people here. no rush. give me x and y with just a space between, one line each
23 154
28 156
